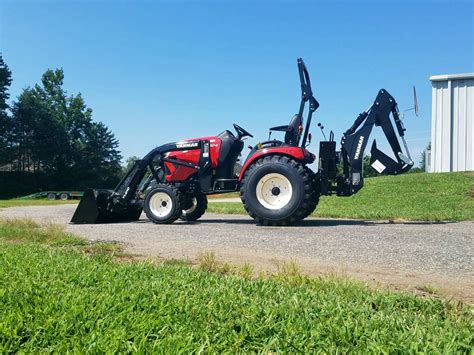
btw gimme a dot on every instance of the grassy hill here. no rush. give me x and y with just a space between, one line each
422 197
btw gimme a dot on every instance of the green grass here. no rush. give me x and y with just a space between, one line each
28 231
56 298
422 197
39 202
225 195
226 207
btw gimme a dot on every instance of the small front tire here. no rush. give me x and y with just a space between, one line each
162 204
198 206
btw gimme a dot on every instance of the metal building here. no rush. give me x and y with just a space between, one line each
452 125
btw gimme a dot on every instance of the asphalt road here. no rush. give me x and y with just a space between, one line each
406 255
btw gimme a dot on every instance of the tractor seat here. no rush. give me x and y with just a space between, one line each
292 134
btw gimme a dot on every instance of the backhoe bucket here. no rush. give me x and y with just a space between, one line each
383 164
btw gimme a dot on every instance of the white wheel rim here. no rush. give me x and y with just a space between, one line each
274 191
192 208
161 204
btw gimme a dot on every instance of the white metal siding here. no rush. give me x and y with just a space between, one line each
452 132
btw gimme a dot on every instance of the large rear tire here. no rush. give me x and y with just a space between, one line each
315 192
277 190
162 204
196 208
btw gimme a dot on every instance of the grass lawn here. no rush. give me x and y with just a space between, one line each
226 195
57 295
424 197
38 202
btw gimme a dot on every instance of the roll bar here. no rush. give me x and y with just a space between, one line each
306 95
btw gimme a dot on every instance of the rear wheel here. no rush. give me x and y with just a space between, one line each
277 190
315 192
51 196
64 196
195 208
163 204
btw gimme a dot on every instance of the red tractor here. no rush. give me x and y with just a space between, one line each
276 185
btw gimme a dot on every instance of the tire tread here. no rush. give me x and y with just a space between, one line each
311 195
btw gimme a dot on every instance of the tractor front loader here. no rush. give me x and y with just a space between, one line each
276 185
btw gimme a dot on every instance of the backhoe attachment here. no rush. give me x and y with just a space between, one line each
353 144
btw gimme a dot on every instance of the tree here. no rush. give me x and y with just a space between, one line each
368 171
54 134
100 162
129 164
5 82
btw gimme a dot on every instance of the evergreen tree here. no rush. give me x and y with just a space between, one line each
54 134
368 171
5 82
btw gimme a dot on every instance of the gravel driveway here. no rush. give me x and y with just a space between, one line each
406 255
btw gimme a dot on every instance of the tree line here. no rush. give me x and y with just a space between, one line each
49 139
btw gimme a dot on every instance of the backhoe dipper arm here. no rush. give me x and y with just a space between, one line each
355 139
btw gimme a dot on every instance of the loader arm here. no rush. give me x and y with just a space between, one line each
124 203
354 142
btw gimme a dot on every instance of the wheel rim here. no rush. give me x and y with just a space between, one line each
161 204
192 208
274 191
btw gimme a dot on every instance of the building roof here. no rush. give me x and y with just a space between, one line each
452 77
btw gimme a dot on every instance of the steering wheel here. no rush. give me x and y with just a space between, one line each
241 133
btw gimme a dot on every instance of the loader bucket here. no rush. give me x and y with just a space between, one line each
98 206
92 208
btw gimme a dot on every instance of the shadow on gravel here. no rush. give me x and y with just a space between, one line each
311 222
223 221
336 222
423 222
304 223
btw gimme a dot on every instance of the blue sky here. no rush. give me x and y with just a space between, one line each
161 71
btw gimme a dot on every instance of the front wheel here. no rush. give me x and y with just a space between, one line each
162 204
195 208
277 190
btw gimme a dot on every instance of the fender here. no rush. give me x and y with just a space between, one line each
297 153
